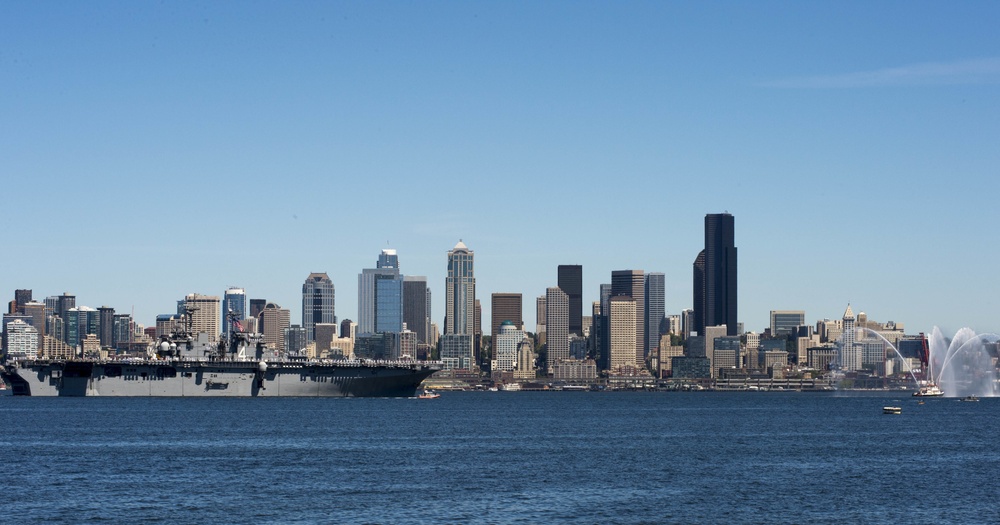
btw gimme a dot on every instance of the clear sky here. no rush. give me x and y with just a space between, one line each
150 150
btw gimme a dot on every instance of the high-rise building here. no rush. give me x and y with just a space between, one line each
64 303
106 329
711 334
203 315
632 283
417 307
556 326
21 298
540 314
36 313
233 301
317 303
719 282
460 298
784 322
570 281
348 329
295 340
460 307
256 307
505 307
274 320
621 333
122 331
380 296
850 351
655 291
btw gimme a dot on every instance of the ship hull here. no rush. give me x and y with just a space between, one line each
215 379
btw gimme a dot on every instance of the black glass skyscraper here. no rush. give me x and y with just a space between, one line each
571 283
718 301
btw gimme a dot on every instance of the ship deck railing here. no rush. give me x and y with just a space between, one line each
277 363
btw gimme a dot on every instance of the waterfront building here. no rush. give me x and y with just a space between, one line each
556 326
570 281
505 346
456 351
417 307
784 322
505 307
690 367
715 276
655 311
575 370
622 336
460 306
632 283
21 340
273 321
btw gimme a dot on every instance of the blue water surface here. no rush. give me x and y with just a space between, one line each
502 457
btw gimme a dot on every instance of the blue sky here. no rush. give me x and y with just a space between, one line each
154 150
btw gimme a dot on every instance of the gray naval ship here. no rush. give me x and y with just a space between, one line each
187 365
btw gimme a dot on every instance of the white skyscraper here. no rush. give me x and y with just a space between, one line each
850 353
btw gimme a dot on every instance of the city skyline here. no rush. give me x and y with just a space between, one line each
160 151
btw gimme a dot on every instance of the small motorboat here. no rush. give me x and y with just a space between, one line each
970 398
428 394
892 410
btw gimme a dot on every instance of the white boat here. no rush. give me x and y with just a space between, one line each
428 394
929 390
892 410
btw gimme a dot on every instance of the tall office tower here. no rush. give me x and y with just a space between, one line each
595 333
540 314
505 307
64 303
203 314
556 326
106 329
80 321
348 328
417 307
380 296
457 345
235 301
256 307
850 352
784 322
121 331
632 283
21 298
505 342
571 282
698 299
36 313
719 302
295 340
317 303
525 359
274 320
687 322
621 334
460 289
655 291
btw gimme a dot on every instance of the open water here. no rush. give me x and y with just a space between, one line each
503 457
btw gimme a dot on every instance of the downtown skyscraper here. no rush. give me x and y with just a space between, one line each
380 296
655 290
318 303
234 308
570 281
632 283
460 309
714 279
